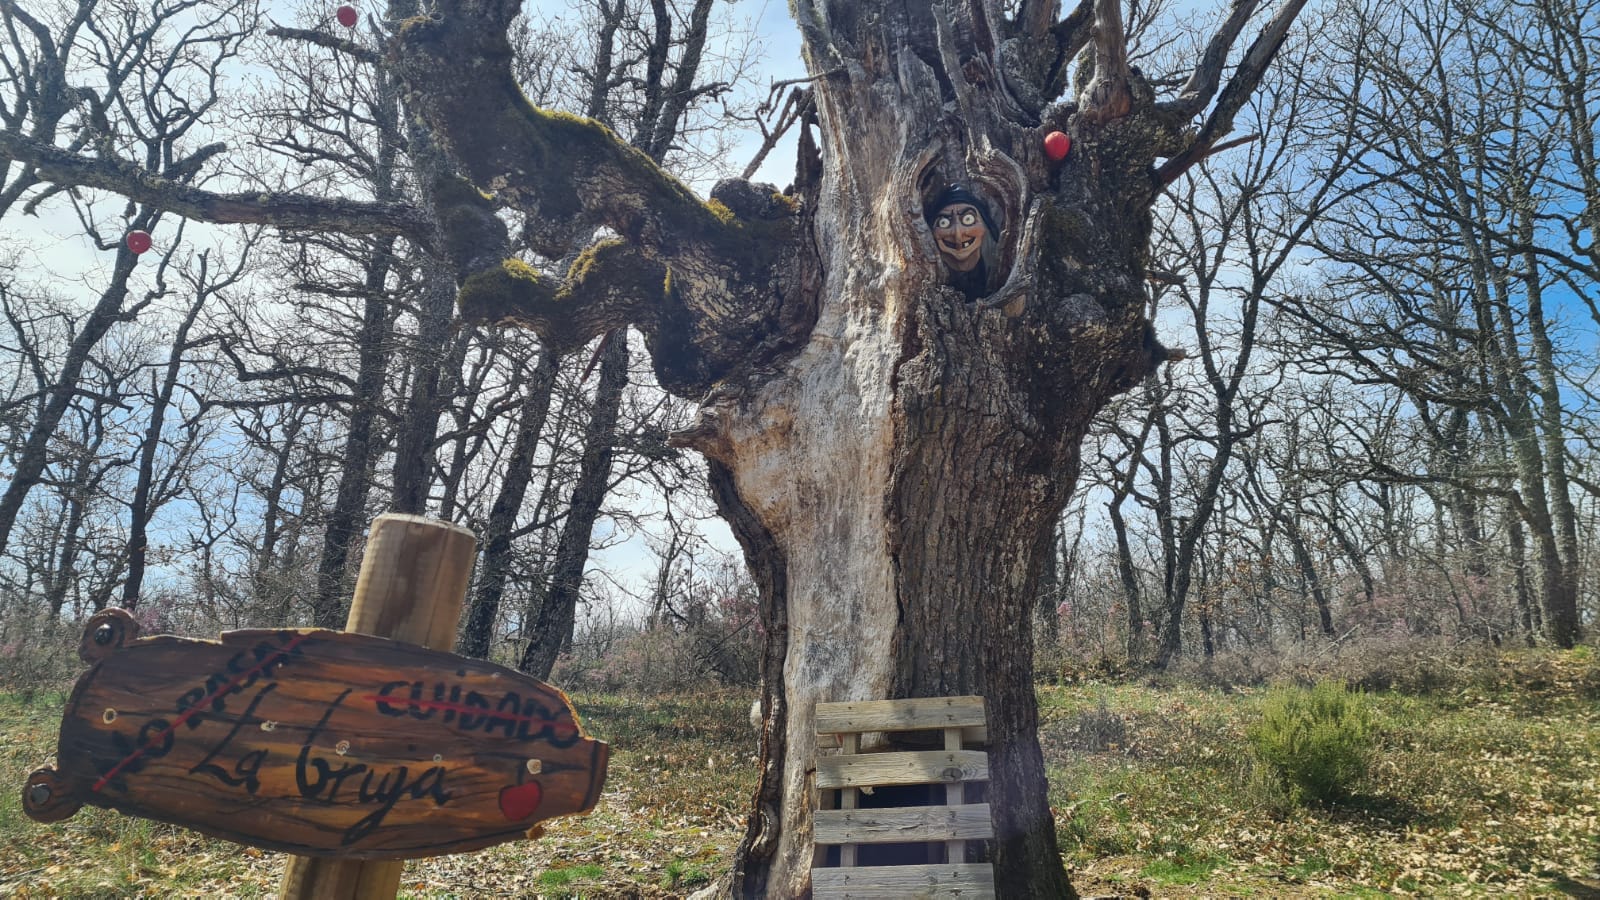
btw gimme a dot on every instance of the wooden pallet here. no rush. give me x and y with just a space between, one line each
946 829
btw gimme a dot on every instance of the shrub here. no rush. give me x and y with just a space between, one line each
1098 730
38 653
1314 742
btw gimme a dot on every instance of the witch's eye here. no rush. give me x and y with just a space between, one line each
943 222
969 218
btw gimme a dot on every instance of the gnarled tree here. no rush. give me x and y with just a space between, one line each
892 456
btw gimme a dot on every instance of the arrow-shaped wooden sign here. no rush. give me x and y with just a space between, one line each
318 743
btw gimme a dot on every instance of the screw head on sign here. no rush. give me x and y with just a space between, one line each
138 242
1056 146
347 16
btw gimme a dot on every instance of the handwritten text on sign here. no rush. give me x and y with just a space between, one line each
315 742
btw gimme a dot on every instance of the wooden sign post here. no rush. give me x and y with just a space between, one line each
350 749
412 585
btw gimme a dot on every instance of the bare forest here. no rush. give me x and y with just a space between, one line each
1342 405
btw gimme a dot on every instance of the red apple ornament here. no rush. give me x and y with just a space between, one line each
346 16
1056 146
138 241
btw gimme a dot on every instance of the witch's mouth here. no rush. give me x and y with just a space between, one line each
961 246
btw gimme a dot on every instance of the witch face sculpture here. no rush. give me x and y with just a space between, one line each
967 237
960 233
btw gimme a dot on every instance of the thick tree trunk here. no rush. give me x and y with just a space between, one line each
896 484
911 519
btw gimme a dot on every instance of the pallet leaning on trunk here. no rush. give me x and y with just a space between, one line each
946 829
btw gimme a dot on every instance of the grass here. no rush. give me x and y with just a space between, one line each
1487 788
562 878
1488 785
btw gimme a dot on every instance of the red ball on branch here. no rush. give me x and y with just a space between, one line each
1056 146
138 241
347 16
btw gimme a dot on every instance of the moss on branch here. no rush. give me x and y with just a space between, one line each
473 237
607 287
569 174
731 298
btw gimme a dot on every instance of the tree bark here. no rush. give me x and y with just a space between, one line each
1127 573
1046 607
418 430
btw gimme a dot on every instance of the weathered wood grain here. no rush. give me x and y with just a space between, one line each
922 767
916 714
317 743
962 880
918 823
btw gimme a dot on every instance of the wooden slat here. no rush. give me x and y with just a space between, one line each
847 801
922 767
973 736
915 714
965 881
914 823
955 850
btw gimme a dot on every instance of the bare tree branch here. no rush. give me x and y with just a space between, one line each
1202 85
1238 91
283 210
797 104
573 173
324 39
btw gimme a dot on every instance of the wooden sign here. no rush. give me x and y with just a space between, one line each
318 743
